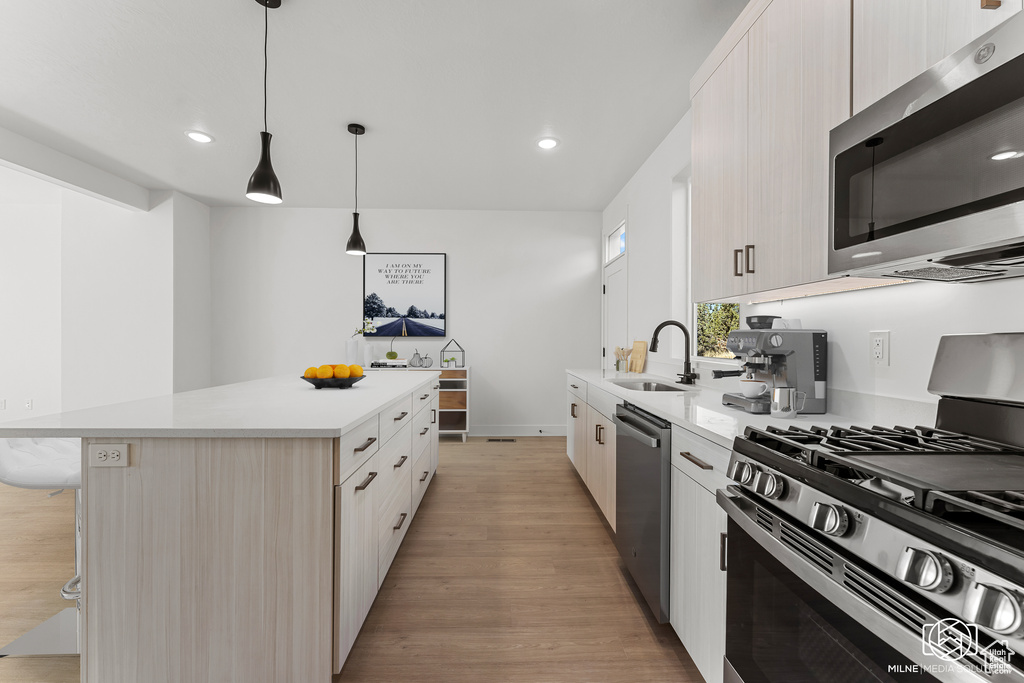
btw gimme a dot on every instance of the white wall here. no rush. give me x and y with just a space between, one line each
192 304
117 301
30 299
655 252
522 298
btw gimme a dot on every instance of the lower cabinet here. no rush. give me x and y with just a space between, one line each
375 504
601 462
697 588
355 555
576 434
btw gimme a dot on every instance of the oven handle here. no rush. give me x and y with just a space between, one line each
742 510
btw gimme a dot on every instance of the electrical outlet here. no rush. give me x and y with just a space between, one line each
108 455
28 404
879 341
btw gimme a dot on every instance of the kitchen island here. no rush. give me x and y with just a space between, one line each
226 544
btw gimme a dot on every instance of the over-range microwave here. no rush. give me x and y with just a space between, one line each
928 182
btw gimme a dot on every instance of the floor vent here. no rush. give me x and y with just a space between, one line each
501 440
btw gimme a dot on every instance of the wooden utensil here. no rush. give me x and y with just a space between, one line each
638 356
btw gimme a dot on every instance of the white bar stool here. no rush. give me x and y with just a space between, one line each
48 464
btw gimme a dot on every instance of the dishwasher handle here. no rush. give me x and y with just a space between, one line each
635 431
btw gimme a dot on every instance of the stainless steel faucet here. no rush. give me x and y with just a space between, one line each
687 376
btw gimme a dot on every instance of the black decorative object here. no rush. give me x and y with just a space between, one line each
453 357
264 187
355 245
405 294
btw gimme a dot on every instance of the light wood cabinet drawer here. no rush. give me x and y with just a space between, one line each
576 386
703 461
395 518
422 473
394 417
421 432
351 450
395 460
453 374
422 397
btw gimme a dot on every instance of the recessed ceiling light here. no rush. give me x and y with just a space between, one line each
547 143
199 136
1012 154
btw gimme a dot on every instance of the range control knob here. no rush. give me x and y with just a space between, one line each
830 519
993 607
769 485
742 472
925 569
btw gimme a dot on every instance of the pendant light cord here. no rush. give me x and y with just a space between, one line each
266 32
357 175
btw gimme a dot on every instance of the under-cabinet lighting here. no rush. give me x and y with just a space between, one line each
1003 156
865 254
547 143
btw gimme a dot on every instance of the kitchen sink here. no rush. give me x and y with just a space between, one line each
638 385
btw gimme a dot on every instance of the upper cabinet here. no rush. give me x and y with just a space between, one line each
895 41
760 149
719 162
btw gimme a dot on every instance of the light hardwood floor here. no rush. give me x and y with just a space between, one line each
506 574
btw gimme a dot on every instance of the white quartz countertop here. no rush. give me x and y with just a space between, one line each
277 407
697 409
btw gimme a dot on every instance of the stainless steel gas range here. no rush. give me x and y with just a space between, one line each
886 553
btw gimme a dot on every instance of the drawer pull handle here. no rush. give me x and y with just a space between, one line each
572 410
401 461
370 477
401 521
574 386
425 430
600 434
696 461
723 545
433 416
424 397
436 387
425 475
369 442
402 416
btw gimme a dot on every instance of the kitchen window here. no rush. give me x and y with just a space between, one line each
714 323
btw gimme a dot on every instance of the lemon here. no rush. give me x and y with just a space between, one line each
310 372
341 371
325 372
355 370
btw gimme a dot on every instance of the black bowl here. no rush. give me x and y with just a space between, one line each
761 322
333 382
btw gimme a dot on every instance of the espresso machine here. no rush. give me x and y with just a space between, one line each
779 358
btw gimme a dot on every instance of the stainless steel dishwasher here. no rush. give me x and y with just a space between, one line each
643 502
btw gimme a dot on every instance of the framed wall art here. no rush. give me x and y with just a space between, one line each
405 294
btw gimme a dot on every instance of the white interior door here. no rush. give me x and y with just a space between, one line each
615 333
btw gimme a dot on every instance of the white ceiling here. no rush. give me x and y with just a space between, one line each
453 93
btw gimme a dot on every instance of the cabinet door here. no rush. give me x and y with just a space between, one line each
597 471
572 416
435 433
355 555
895 41
708 589
719 162
799 56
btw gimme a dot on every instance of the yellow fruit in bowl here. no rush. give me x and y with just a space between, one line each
341 371
310 372
355 371
325 372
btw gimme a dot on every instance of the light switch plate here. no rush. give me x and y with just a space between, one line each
108 455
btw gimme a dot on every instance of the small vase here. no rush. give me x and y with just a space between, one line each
352 355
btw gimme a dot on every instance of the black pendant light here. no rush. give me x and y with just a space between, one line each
264 187
356 246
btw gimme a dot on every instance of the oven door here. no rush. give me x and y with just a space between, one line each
800 612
